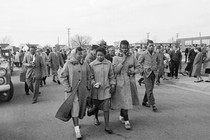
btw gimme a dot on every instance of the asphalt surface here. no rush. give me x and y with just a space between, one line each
183 114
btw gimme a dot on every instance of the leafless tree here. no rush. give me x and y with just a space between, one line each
80 41
6 40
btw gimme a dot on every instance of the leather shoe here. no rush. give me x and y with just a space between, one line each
54 81
109 131
58 82
154 108
27 93
33 102
145 104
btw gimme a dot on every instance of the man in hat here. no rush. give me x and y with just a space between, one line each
56 61
34 65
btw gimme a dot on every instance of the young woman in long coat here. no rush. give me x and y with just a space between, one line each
125 68
76 78
197 64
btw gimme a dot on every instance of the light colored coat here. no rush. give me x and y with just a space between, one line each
76 79
33 72
197 64
103 73
45 60
124 97
150 63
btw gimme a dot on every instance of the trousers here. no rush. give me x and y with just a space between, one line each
149 86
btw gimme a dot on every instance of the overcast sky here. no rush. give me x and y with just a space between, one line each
42 21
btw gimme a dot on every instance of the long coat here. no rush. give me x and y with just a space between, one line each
56 61
33 72
45 60
197 64
161 66
76 78
126 90
103 73
207 61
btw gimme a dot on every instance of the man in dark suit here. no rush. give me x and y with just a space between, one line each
34 65
175 61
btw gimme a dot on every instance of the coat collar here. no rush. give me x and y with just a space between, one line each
74 61
105 61
147 52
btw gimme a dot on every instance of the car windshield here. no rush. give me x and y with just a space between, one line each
3 61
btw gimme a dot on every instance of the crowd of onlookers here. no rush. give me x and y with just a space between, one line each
197 60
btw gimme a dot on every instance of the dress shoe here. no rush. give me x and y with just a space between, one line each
54 81
27 93
109 131
154 108
58 82
96 122
145 104
34 101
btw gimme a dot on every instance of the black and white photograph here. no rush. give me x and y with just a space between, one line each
104 70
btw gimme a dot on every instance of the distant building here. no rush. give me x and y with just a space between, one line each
193 41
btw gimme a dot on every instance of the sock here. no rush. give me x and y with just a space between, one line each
121 118
77 130
127 122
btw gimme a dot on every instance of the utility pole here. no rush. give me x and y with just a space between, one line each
68 29
147 36
58 40
177 35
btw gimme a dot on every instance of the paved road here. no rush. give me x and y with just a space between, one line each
183 115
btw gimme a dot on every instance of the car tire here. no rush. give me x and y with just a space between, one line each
9 94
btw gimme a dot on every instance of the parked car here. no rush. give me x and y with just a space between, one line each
6 85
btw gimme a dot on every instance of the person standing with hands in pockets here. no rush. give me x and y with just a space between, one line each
103 85
125 67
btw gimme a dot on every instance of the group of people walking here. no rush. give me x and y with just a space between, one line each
37 65
101 84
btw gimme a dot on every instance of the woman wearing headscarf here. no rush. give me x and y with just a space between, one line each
76 78
125 67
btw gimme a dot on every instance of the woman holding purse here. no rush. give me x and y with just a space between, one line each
125 68
103 85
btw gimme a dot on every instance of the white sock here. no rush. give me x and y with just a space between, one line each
77 130
121 118
127 122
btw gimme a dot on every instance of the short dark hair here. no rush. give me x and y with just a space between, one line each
149 41
94 47
78 49
101 49
124 42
